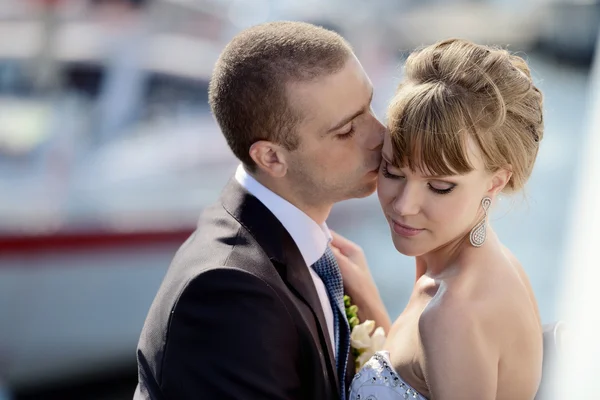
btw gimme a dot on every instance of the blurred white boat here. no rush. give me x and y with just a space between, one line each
89 223
79 268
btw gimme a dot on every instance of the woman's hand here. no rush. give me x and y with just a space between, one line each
358 282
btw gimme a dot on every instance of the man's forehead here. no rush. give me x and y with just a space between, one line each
331 98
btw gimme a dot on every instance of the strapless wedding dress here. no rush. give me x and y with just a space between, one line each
377 380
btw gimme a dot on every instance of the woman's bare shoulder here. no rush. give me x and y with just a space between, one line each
456 302
476 296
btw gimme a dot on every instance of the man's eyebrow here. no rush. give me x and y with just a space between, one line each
349 118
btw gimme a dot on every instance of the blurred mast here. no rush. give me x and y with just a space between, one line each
44 65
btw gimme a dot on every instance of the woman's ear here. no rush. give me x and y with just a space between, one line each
499 181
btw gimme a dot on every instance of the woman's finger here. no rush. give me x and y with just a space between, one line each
341 257
346 246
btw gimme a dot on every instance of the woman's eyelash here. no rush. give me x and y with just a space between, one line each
387 174
441 191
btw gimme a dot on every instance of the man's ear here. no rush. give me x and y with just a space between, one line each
499 181
270 158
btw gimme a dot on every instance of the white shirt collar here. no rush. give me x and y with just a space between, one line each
311 238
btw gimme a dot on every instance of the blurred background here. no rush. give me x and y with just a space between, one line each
108 153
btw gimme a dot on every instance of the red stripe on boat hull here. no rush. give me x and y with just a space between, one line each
89 240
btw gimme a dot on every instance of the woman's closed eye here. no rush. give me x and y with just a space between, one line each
386 172
436 186
441 187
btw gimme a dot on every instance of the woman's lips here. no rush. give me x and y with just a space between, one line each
405 230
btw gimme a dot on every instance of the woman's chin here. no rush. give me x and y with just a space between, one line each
409 249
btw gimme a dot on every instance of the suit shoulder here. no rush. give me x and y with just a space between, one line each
227 280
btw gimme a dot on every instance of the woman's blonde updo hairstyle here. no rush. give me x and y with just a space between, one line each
455 90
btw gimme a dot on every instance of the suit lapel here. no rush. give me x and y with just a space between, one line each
300 281
285 255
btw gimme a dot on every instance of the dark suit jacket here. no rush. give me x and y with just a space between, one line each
237 315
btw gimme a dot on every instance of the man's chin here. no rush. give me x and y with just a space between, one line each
366 190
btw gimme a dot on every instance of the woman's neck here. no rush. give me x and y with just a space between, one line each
438 262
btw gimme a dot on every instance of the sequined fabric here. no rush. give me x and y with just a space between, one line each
377 380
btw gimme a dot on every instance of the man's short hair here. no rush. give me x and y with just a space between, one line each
247 91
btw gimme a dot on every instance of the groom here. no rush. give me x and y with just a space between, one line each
251 306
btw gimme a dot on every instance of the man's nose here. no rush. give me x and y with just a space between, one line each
377 133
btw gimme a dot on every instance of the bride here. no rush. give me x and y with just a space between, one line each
464 126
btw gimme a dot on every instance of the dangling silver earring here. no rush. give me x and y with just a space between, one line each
478 233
